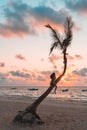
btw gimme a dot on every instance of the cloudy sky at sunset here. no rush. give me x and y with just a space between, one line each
25 42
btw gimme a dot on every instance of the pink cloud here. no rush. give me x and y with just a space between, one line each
2 64
79 57
19 56
84 12
72 65
42 59
70 57
7 32
46 21
53 58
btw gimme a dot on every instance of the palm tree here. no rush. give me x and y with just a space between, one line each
62 43
29 115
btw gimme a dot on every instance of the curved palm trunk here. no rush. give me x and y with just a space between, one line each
34 105
29 115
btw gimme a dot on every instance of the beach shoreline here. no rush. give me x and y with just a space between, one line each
57 115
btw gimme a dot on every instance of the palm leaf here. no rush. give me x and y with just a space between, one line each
53 46
56 37
68 32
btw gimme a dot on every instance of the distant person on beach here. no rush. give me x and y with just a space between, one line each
52 82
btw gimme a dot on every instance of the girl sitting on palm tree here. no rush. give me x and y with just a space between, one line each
52 82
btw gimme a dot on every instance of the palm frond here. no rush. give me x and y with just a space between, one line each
53 46
68 32
56 37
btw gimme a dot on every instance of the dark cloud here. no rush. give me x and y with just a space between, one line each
19 56
20 74
21 19
48 73
77 5
2 64
82 72
16 20
6 79
3 76
40 78
44 13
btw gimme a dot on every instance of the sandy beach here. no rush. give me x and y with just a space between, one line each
57 115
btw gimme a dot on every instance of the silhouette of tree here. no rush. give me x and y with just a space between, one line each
29 115
62 42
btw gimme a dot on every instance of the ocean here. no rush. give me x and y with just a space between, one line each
62 93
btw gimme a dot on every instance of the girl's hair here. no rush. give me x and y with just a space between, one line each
52 75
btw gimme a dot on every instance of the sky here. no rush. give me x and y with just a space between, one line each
25 42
